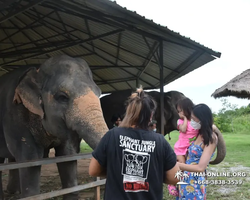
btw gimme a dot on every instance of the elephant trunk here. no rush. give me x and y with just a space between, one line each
221 148
86 118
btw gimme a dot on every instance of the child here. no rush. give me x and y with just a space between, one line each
152 125
116 120
188 133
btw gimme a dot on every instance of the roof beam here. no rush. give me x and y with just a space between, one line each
89 32
116 21
118 48
110 44
75 43
5 4
183 66
114 81
26 7
100 67
40 40
120 14
104 81
95 15
37 20
150 56
123 62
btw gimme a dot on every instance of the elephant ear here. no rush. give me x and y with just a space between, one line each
28 93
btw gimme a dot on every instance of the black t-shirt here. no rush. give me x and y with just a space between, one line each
136 161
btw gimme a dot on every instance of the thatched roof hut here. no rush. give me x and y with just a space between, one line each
239 87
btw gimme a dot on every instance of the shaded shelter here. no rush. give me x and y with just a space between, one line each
239 87
122 48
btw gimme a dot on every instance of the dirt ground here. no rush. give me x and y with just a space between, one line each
50 180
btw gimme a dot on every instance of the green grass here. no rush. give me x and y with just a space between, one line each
85 148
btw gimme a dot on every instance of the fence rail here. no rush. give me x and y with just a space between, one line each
58 159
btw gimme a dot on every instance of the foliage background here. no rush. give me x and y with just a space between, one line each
232 119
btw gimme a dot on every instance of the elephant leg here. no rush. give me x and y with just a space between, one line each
30 181
1 185
67 172
13 182
24 148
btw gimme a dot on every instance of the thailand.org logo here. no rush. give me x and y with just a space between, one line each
181 177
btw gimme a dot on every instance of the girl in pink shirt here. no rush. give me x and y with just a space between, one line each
188 133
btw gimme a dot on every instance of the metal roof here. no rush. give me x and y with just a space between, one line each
119 45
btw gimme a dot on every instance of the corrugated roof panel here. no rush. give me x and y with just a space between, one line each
135 43
99 28
102 16
105 47
149 79
112 74
132 84
76 50
95 60
131 58
156 29
129 70
106 56
76 22
96 78
120 86
174 55
106 87
43 10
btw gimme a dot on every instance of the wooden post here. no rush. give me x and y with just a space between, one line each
98 191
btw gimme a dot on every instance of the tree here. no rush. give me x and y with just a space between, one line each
224 120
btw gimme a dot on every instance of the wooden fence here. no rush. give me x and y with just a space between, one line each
59 159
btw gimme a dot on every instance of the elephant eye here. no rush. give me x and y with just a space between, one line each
62 97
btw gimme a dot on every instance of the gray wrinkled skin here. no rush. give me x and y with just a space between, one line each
45 108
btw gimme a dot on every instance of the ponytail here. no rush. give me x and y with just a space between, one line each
140 107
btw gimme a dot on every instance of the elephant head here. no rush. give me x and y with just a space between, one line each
65 97
221 147
170 113
116 102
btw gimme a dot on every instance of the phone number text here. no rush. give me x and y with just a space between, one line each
219 182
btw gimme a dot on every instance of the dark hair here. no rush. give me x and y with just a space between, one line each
115 118
140 107
204 114
152 123
186 105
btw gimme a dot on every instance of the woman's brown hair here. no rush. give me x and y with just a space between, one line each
140 108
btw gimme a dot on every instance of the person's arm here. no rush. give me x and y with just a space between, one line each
95 169
170 177
170 164
204 161
183 127
98 163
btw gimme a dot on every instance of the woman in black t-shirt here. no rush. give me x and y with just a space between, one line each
135 160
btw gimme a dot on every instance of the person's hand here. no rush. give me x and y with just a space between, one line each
182 116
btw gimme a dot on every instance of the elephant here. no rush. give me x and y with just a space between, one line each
53 106
115 103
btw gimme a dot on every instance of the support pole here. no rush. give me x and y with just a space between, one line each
161 87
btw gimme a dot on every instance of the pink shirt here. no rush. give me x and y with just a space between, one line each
183 142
